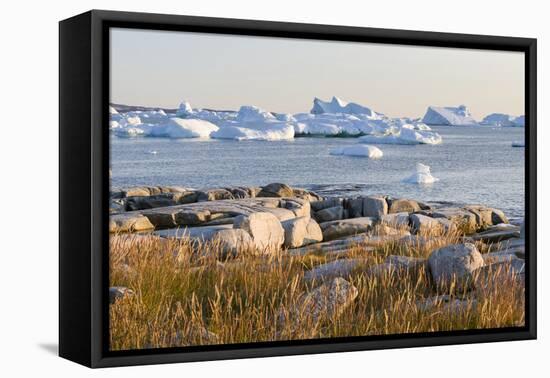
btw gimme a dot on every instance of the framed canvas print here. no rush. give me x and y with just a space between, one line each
234 188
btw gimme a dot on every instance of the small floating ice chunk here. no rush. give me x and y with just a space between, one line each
421 176
361 150
152 152
518 143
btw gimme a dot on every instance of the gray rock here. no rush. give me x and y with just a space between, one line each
295 232
452 266
129 222
300 207
483 215
374 207
329 214
354 206
276 190
326 302
150 202
191 217
280 214
314 234
265 229
402 206
460 217
447 304
496 235
214 195
334 269
325 204
232 241
423 224
498 216
396 220
346 227
117 293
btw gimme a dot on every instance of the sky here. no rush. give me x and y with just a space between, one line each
161 69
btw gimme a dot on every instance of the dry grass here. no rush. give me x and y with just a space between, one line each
185 296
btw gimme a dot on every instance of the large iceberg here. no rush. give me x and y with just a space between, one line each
449 116
172 128
361 150
253 123
503 120
337 105
421 176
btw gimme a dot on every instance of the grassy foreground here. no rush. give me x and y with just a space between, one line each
187 297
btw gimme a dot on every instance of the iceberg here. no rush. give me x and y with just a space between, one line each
421 176
448 116
503 120
183 128
371 152
337 105
112 110
407 134
253 123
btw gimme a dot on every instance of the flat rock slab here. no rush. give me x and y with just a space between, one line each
346 227
203 233
333 269
129 222
497 235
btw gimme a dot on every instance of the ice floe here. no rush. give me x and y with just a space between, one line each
421 176
361 150
449 116
503 120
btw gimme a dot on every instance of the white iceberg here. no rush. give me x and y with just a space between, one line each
253 123
337 105
184 109
404 135
518 143
361 150
421 176
183 128
503 120
112 110
449 116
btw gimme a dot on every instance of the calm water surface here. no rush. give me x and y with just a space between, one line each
474 165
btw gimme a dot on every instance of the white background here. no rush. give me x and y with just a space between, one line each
29 214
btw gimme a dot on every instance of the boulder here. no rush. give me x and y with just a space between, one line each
325 204
374 207
326 302
280 213
214 195
334 269
330 214
447 304
129 222
295 232
484 215
117 205
276 190
396 220
354 206
346 227
314 234
460 217
162 217
423 224
117 293
300 207
452 266
498 216
402 206
232 241
497 234
265 229
150 202
191 217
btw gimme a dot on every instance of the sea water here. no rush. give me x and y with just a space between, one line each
474 165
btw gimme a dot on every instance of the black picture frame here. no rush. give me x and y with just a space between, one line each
84 181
